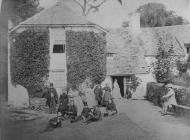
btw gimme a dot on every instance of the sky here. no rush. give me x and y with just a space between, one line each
112 14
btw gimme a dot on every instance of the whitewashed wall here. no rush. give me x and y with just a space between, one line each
141 89
18 96
146 78
58 68
58 63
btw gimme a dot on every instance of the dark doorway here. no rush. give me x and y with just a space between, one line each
120 83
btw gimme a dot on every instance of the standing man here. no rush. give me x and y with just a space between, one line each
98 93
52 99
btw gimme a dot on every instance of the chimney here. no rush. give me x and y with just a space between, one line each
134 22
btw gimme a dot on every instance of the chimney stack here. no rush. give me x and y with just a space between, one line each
134 22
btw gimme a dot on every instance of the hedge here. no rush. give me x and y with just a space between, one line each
156 90
86 57
29 59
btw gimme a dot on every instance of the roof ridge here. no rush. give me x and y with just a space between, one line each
126 28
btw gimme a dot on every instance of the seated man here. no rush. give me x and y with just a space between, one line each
94 115
72 111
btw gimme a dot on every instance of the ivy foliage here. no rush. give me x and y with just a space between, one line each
182 67
86 57
164 59
29 59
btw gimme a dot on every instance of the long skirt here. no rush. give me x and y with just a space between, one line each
116 93
91 100
78 102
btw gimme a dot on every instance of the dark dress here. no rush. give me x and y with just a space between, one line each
72 112
52 99
107 95
108 100
98 93
95 115
63 104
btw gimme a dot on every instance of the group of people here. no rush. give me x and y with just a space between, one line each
82 104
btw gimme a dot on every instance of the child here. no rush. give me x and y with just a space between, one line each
168 99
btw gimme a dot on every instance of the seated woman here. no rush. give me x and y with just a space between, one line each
85 112
94 115
72 111
63 104
108 101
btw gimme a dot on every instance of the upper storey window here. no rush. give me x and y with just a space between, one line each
58 48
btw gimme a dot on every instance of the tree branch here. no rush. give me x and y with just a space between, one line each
82 6
91 6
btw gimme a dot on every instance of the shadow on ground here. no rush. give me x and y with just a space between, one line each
118 127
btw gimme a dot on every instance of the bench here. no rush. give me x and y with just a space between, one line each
182 110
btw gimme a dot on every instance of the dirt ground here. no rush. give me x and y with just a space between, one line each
118 127
137 120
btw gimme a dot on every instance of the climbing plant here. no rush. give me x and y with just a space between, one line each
29 58
164 58
86 57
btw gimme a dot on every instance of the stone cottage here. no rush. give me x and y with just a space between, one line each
58 19
131 51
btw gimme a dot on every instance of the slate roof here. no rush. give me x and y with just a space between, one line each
132 47
59 14
129 57
148 40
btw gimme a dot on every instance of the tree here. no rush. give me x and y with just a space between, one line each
3 55
162 66
16 11
156 15
91 5
19 10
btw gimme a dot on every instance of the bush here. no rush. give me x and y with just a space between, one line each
86 57
29 59
182 80
182 67
164 59
155 91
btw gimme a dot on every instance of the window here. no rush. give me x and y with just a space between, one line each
110 54
58 48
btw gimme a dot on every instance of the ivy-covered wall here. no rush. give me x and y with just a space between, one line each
86 57
29 59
